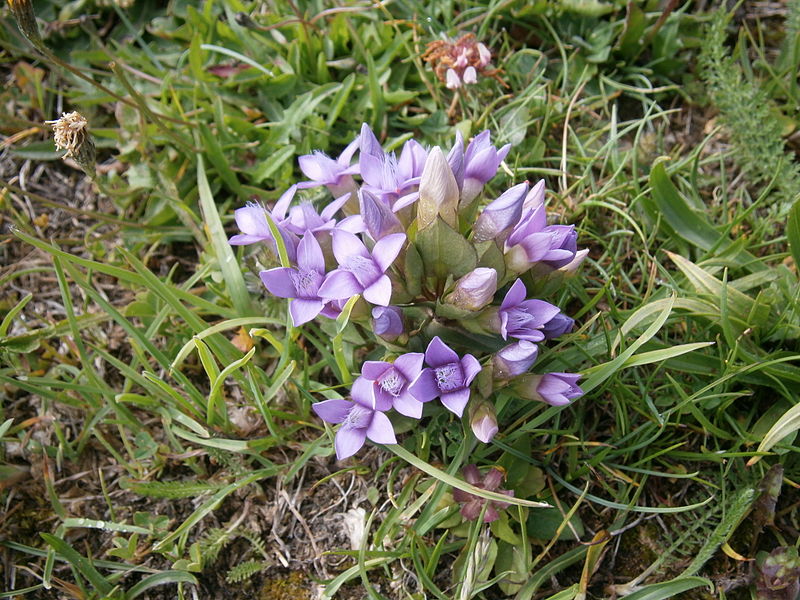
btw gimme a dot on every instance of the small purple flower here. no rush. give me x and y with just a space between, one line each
387 322
474 290
252 222
474 504
303 283
481 161
483 422
321 169
305 217
501 215
524 319
359 419
533 241
379 219
558 326
390 179
362 272
447 377
515 359
390 382
556 389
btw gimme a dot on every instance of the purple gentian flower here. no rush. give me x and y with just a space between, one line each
252 222
481 161
303 283
472 503
501 215
558 326
447 377
336 175
387 322
362 272
524 319
359 419
390 382
387 177
379 219
305 217
515 359
556 389
533 241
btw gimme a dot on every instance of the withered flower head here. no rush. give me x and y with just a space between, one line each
457 63
71 133
26 20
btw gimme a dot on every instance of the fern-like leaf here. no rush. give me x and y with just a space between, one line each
245 570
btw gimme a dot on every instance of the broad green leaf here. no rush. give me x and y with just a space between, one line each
677 213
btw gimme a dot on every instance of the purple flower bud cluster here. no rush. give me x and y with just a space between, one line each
400 233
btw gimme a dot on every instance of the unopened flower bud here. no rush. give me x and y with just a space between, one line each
501 214
71 133
470 75
571 267
483 421
535 197
387 322
515 359
556 389
26 20
474 290
453 82
378 217
558 326
438 191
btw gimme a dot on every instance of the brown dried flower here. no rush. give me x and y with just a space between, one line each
71 133
460 62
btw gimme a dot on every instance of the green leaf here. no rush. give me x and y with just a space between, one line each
82 564
444 251
740 305
599 373
788 423
163 578
793 232
669 589
231 272
677 213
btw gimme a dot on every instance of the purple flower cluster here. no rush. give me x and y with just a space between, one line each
380 239
403 385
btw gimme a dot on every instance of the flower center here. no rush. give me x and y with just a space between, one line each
392 382
519 317
364 269
449 377
306 282
359 417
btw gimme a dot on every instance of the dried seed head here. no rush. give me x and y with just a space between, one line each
26 20
71 133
